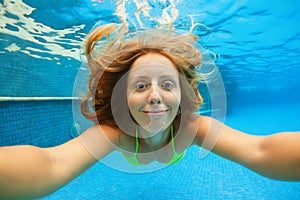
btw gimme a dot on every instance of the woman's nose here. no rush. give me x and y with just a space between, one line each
154 96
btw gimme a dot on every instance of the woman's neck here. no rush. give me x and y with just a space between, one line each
154 142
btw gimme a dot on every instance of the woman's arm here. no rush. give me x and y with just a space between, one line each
275 156
28 172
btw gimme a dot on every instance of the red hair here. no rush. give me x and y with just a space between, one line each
110 59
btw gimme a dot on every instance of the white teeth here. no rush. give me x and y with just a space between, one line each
155 111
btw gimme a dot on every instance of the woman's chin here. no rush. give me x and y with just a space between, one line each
155 128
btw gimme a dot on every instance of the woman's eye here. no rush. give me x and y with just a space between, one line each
141 86
167 85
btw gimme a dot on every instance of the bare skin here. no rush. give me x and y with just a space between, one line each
28 172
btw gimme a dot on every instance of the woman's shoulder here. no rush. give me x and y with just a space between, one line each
193 126
115 135
188 123
186 130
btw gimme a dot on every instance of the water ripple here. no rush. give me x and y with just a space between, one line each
256 42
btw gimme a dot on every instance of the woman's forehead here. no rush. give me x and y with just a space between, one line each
152 58
153 70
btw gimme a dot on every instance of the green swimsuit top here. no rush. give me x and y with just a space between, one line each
175 158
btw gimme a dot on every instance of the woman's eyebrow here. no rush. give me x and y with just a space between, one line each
160 76
167 76
144 77
140 76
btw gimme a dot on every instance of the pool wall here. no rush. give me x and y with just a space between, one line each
39 123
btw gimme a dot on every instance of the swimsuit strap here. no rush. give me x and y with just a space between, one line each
172 137
133 159
175 158
136 141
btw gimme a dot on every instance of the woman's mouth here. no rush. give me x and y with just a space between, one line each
155 112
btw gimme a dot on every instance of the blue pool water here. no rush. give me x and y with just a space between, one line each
256 44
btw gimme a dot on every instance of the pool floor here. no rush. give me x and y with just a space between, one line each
211 177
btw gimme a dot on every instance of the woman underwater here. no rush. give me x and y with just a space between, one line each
142 96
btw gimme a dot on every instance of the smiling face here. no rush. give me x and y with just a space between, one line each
153 92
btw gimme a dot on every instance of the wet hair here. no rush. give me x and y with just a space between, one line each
110 51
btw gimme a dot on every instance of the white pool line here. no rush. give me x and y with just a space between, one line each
38 98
